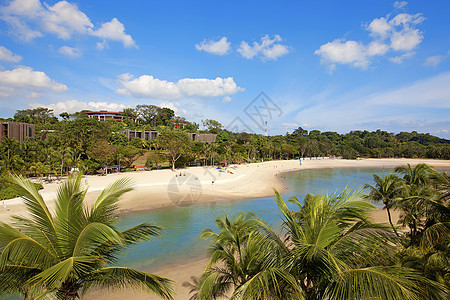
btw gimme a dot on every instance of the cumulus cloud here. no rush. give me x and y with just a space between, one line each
398 34
114 31
72 106
27 78
220 47
7 55
350 52
268 49
70 52
65 19
146 86
30 19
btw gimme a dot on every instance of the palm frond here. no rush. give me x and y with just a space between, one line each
271 283
35 204
54 277
384 283
93 236
119 277
106 204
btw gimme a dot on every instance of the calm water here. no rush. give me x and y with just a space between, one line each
180 241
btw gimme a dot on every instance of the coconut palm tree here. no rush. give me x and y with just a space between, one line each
336 253
328 249
386 190
68 251
415 176
238 268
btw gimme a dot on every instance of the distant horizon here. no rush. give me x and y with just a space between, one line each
324 66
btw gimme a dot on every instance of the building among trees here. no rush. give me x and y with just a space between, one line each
16 130
150 135
104 115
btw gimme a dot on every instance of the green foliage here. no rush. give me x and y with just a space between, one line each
328 249
175 143
67 252
212 126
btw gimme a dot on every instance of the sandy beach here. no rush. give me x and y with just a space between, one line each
164 188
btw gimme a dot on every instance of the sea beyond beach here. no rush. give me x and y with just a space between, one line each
165 189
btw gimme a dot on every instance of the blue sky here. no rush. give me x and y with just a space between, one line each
327 65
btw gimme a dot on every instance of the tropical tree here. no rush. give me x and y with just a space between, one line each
72 250
335 252
417 176
238 268
426 208
387 190
175 142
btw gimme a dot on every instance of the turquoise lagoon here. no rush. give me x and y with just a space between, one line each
180 241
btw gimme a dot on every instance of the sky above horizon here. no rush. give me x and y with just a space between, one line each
327 65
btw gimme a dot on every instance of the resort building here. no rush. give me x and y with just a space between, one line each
103 115
145 135
16 130
150 135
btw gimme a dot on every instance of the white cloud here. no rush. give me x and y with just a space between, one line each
64 19
29 19
349 52
7 55
146 86
220 47
379 27
21 29
401 58
25 77
406 40
70 52
115 31
72 106
376 48
400 4
433 61
270 49
226 99
405 37
400 30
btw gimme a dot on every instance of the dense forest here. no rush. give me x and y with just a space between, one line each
77 141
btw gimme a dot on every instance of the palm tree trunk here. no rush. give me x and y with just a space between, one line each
390 221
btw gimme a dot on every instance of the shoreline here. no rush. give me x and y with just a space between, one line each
162 189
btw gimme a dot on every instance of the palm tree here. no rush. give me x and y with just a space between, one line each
67 252
237 266
415 176
336 253
386 190
328 250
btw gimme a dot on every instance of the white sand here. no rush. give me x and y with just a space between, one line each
162 188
